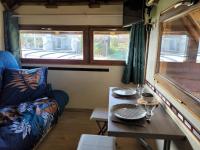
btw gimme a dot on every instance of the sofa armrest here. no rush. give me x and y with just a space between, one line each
62 99
60 96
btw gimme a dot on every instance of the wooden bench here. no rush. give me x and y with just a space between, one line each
100 115
96 142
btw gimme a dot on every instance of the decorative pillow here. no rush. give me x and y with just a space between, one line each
20 85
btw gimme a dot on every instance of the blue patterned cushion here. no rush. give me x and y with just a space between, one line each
20 85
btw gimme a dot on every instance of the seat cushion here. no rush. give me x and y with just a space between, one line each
96 142
20 85
99 114
22 126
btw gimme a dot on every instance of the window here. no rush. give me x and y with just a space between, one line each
109 45
106 45
58 43
174 48
179 59
52 44
198 54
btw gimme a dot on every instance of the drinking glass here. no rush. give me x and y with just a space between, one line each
149 111
140 89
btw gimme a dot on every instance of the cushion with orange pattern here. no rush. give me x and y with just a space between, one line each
21 85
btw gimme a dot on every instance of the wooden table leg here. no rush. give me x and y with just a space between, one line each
166 145
144 144
102 128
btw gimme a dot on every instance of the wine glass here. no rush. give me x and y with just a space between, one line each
149 110
140 89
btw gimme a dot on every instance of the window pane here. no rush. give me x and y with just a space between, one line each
174 48
180 51
52 44
110 45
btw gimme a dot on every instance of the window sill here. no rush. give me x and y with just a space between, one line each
52 61
180 95
108 62
72 62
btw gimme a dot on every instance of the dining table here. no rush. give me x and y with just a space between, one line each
161 125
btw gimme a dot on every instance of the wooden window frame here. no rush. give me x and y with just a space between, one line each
58 28
91 36
87 45
180 95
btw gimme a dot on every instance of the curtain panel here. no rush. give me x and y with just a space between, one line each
11 34
134 68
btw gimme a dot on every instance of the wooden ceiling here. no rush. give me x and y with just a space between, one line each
13 4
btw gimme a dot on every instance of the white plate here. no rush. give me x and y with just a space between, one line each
125 92
128 112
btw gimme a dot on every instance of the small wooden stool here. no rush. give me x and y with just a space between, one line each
100 115
96 142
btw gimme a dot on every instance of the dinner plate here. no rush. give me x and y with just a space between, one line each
125 92
128 111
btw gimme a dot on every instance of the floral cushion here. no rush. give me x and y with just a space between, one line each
22 126
20 85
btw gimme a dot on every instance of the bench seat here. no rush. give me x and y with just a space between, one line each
96 142
100 115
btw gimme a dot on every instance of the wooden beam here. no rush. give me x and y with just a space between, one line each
15 5
5 4
10 5
53 3
191 27
94 4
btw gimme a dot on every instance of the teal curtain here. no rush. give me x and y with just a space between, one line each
134 69
194 1
11 33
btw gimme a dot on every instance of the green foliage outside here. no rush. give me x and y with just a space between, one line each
111 47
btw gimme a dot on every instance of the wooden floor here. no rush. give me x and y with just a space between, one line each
71 125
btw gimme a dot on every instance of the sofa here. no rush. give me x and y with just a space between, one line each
23 125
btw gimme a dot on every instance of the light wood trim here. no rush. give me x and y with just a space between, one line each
173 13
159 47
